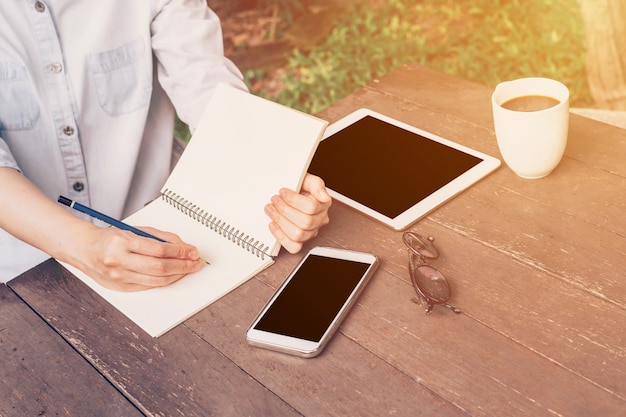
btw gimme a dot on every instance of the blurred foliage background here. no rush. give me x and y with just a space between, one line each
486 41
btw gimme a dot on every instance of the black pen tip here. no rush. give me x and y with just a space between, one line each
64 200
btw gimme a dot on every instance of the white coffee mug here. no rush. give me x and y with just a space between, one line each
532 142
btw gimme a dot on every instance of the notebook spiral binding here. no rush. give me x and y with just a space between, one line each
221 227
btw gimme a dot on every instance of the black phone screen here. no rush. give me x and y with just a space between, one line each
310 301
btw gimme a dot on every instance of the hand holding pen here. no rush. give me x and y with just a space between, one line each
128 260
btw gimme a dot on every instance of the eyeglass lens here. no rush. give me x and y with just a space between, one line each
429 283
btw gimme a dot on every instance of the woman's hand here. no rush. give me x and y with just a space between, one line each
121 260
297 217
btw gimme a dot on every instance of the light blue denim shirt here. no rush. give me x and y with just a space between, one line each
86 93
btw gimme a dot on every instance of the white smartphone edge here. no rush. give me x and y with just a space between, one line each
308 348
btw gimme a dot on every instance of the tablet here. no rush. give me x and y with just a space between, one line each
392 171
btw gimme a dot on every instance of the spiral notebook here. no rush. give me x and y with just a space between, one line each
243 151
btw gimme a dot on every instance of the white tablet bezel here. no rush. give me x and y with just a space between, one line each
428 204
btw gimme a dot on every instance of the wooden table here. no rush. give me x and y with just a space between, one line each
537 266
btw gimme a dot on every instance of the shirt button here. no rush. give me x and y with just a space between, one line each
68 130
56 67
78 186
40 6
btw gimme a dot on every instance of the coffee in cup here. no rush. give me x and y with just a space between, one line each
530 103
531 119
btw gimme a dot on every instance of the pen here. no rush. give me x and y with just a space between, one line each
109 220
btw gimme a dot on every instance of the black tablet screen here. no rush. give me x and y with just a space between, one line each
385 167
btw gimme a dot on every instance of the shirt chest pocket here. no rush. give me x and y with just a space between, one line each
19 108
121 78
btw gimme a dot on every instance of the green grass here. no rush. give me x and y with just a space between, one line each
487 41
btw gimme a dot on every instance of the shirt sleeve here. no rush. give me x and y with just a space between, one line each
188 45
6 158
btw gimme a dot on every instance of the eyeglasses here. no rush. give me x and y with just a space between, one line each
429 283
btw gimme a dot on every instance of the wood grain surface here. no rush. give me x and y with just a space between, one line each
536 266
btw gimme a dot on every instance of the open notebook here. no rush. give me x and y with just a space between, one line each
243 151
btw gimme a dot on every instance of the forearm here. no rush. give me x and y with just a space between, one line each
117 259
32 217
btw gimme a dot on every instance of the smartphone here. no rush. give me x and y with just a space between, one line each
309 306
